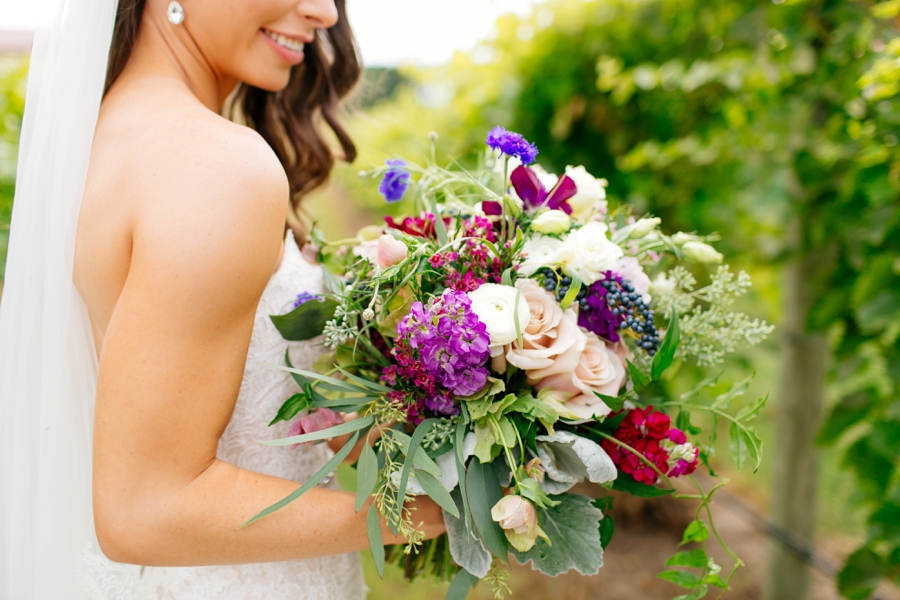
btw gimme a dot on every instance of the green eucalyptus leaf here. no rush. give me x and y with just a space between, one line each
366 475
436 491
459 588
376 543
313 481
331 432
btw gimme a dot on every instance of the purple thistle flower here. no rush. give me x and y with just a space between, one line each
395 182
512 144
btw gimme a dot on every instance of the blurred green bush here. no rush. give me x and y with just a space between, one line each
13 71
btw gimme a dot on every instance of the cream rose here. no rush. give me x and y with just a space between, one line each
551 221
598 368
591 196
587 252
550 332
495 306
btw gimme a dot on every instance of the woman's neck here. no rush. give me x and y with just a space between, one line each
165 50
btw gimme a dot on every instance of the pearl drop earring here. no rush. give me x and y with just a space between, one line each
175 13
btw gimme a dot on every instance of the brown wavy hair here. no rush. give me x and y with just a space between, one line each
289 120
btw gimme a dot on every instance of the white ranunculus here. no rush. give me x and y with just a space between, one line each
539 251
552 221
495 306
701 253
591 196
588 253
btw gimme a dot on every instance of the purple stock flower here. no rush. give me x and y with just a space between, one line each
442 404
452 343
304 297
529 188
395 182
512 144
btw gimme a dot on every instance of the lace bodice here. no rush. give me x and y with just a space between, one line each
263 390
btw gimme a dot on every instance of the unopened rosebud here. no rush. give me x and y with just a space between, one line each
701 253
518 519
535 470
644 227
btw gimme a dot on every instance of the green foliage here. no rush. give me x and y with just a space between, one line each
735 116
13 72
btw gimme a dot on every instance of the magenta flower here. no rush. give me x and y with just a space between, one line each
533 193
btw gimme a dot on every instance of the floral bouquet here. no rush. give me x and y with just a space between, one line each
505 340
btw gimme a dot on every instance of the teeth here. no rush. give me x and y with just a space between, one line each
286 42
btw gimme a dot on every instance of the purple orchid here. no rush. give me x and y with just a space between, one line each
533 193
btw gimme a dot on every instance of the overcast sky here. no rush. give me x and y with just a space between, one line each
390 32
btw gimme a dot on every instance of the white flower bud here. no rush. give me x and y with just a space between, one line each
644 227
701 253
368 314
681 238
552 221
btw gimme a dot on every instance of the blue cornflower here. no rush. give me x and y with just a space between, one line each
395 182
512 144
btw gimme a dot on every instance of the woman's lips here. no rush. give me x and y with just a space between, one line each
289 48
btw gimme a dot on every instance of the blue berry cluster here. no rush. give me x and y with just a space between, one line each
633 313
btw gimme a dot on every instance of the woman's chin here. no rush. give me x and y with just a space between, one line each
270 82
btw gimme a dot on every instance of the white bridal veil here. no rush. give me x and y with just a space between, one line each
47 360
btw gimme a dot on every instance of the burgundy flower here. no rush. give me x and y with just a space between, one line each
533 193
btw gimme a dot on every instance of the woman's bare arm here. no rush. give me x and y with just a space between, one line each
205 244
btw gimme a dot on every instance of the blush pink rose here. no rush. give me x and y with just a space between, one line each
549 333
598 368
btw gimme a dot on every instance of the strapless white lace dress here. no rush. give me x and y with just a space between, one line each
263 390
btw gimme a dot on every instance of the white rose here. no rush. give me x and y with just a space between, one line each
591 196
552 221
701 253
587 252
539 251
495 306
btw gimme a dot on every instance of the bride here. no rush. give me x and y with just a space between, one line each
178 258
